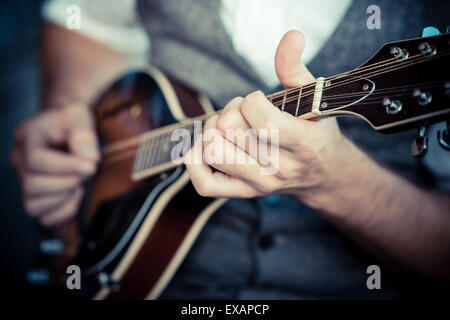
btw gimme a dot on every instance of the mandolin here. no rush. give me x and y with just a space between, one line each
141 214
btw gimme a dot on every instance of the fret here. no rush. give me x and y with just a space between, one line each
298 101
172 144
140 159
142 155
154 150
165 149
148 153
284 101
137 159
158 150
168 155
276 100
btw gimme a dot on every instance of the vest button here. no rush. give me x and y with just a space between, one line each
266 241
272 200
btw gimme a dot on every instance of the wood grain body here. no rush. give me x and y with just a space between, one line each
135 104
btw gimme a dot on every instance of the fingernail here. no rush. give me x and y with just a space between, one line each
86 168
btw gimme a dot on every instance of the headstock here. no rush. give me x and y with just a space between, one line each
406 84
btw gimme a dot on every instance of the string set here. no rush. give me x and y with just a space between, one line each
371 70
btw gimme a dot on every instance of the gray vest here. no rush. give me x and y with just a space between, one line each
260 248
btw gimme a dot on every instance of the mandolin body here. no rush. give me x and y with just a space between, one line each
132 236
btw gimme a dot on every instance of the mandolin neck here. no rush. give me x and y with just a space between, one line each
403 86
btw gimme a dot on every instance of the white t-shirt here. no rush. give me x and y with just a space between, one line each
115 24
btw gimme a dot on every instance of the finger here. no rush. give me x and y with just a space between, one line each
48 161
231 117
64 212
38 206
214 184
272 124
226 157
44 130
288 64
236 129
82 139
37 184
215 147
233 126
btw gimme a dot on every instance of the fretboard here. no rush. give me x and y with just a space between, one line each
155 148
373 92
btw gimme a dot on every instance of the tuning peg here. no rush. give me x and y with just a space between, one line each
444 137
429 32
419 146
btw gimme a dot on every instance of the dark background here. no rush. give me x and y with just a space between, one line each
19 89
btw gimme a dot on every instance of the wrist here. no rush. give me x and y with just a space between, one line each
347 171
62 101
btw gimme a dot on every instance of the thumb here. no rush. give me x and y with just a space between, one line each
288 64
82 138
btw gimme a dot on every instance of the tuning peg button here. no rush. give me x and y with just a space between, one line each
419 146
429 32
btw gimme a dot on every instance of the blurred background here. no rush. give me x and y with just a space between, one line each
19 91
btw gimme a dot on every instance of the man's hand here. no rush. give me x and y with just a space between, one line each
307 149
54 153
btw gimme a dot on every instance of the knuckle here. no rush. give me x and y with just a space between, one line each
70 209
28 185
31 158
22 131
71 110
287 170
74 182
269 123
256 95
250 100
45 222
311 152
30 209
283 173
211 123
209 157
265 187
234 101
204 188
228 120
